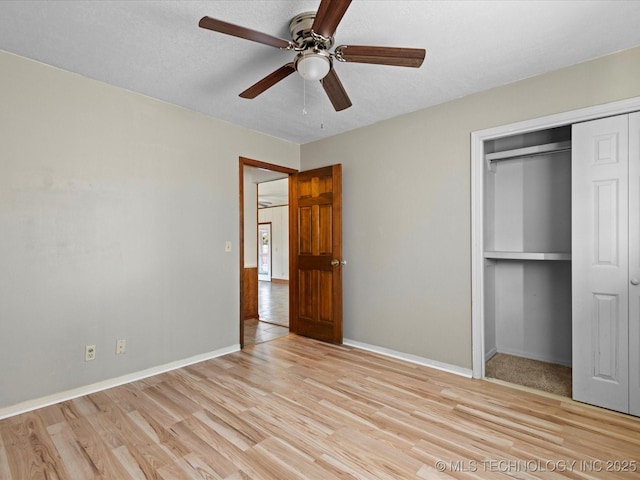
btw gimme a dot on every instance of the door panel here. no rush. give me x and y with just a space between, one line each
305 234
634 264
316 241
605 222
600 263
325 234
605 336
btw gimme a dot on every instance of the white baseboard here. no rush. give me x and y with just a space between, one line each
34 404
465 372
489 355
532 356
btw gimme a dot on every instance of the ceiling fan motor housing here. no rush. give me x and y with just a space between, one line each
303 36
313 61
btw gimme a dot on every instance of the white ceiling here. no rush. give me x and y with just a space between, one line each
273 193
156 48
273 187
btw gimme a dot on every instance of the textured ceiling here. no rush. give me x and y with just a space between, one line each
156 48
273 193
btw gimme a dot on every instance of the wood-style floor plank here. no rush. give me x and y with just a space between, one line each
296 408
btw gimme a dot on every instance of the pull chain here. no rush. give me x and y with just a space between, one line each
304 97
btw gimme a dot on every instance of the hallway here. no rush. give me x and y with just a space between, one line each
273 303
273 308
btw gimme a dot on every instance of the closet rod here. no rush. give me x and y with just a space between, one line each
536 150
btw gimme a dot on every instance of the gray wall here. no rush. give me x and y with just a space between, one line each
407 212
114 212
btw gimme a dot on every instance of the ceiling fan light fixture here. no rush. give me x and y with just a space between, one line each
313 65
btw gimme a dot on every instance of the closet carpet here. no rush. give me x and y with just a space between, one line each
547 377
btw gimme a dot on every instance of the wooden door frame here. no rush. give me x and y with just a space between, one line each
477 201
248 162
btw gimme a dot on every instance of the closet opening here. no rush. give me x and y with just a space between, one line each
527 259
554 258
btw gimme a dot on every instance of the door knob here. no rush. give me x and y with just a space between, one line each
635 281
335 263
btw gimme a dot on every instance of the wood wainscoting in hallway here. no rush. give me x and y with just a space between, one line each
295 408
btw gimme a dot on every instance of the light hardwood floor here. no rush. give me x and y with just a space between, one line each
273 303
296 408
257 331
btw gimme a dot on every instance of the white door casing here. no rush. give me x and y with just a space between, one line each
634 264
478 139
600 262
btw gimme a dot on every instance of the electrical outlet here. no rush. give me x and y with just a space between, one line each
89 353
121 346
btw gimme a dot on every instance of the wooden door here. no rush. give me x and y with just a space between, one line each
634 264
600 262
315 287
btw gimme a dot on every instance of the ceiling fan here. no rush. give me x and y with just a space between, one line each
312 37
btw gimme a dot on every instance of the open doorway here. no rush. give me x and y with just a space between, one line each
527 259
273 256
264 234
315 242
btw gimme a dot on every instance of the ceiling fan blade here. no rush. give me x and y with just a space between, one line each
329 14
400 57
269 81
335 91
243 32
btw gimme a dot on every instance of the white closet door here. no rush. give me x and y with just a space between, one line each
600 263
634 264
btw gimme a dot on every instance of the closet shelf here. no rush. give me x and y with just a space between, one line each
529 151
495 255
